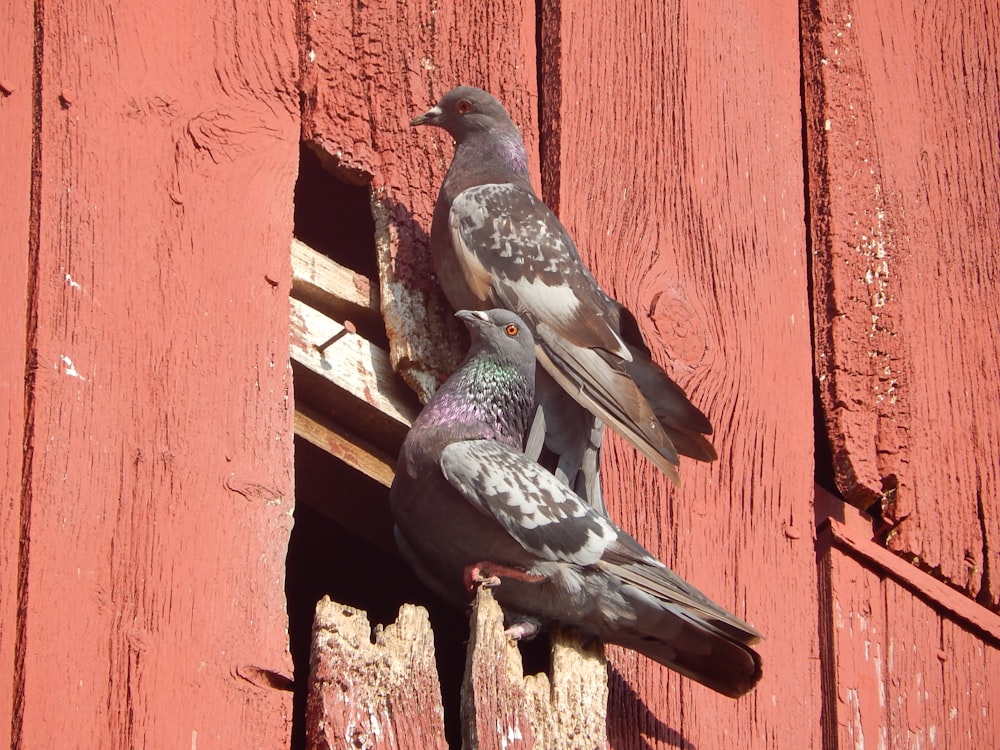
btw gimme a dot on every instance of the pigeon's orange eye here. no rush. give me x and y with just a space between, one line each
510 329
463 106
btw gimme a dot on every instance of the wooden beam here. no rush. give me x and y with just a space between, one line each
337 291
936 593
357 453
351 378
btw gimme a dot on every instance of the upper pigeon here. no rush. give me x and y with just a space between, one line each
471 509
496 244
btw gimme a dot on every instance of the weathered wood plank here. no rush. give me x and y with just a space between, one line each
367 69
975 616
681 180
564 709
336 291
970 710
161 481
359 385
903 163
381 696
17 249
906 663
854 660
494 703
568 706
338 441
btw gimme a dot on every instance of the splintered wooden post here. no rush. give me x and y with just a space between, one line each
380 696
569 706
501 708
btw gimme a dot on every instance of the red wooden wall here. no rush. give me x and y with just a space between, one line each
741 179
150 153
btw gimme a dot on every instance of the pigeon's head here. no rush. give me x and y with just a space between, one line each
500 332
465 110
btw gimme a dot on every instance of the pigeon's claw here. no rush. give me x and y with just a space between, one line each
474 576
523 630
488 575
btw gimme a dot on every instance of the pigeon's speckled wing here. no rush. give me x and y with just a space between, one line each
516 253
515 246
545 516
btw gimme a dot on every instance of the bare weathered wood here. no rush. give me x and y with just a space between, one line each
336 291
680 178
378 696
901 103
156 504
568 707
502 708
336 440
358 384
494 711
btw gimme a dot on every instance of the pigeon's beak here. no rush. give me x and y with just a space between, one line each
430 117
475 317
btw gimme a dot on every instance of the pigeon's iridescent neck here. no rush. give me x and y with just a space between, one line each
483 158
483 400
512 154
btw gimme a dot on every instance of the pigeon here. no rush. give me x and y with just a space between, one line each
496 244
471 509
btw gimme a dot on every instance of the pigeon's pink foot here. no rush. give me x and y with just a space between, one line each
522 631
488 575
474 576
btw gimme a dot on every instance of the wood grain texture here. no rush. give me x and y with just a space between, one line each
367 69
680 177
381 695
903 165
16 248
354 371
160 488
563 709
494 701
336 291
568 705
900 669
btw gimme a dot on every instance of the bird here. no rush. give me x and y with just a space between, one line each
494 243
471 509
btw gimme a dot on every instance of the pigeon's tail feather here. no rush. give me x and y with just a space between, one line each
612 396
683 422
673 623
704 655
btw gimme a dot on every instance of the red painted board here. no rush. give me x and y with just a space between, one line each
906 661
901 102
160 489
16 37
677 131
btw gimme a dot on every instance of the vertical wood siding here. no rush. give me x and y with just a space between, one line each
157 499
903 158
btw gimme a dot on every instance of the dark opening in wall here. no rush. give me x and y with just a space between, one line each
333 215
341 543
325 558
